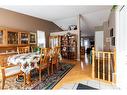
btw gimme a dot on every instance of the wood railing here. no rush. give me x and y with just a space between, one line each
104 65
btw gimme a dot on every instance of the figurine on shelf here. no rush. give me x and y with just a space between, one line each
72 27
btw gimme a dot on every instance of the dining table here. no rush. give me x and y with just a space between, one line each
27 61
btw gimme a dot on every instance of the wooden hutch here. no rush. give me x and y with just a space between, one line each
67 43
69 46
10 39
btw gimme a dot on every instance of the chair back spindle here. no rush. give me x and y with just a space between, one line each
22 50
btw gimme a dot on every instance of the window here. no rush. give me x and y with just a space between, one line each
41 38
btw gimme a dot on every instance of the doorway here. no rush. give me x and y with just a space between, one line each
86 49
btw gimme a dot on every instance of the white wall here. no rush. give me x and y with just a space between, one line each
121 47
99 39
64 23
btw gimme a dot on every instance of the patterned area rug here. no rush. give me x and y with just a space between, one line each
48 83
51 81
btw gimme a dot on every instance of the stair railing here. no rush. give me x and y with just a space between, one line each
107 62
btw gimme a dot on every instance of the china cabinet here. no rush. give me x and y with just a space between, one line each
14 37
11 38
67 43
69 46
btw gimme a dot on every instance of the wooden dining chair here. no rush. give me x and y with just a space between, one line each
44 61
55 58
24 49
7 71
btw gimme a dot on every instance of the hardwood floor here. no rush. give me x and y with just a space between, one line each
81 71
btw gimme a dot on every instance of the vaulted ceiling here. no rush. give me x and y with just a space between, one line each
64 16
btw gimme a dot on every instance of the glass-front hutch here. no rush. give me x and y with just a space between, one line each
14 37
10 39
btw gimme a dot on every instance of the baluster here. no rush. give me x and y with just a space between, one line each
103 66
98 65
93 63
114 65
109 72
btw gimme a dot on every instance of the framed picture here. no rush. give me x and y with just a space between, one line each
111 32
113 41
33 38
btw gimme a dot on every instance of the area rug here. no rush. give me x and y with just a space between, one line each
52 80
48 83
84 87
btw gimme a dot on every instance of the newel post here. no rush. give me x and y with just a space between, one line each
93 63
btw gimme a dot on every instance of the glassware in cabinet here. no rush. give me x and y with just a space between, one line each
12 37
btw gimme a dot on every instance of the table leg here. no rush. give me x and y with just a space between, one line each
24 79
39 74
29 79
52 68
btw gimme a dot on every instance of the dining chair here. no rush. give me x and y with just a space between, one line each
24 49
44 61
55 58
7 71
